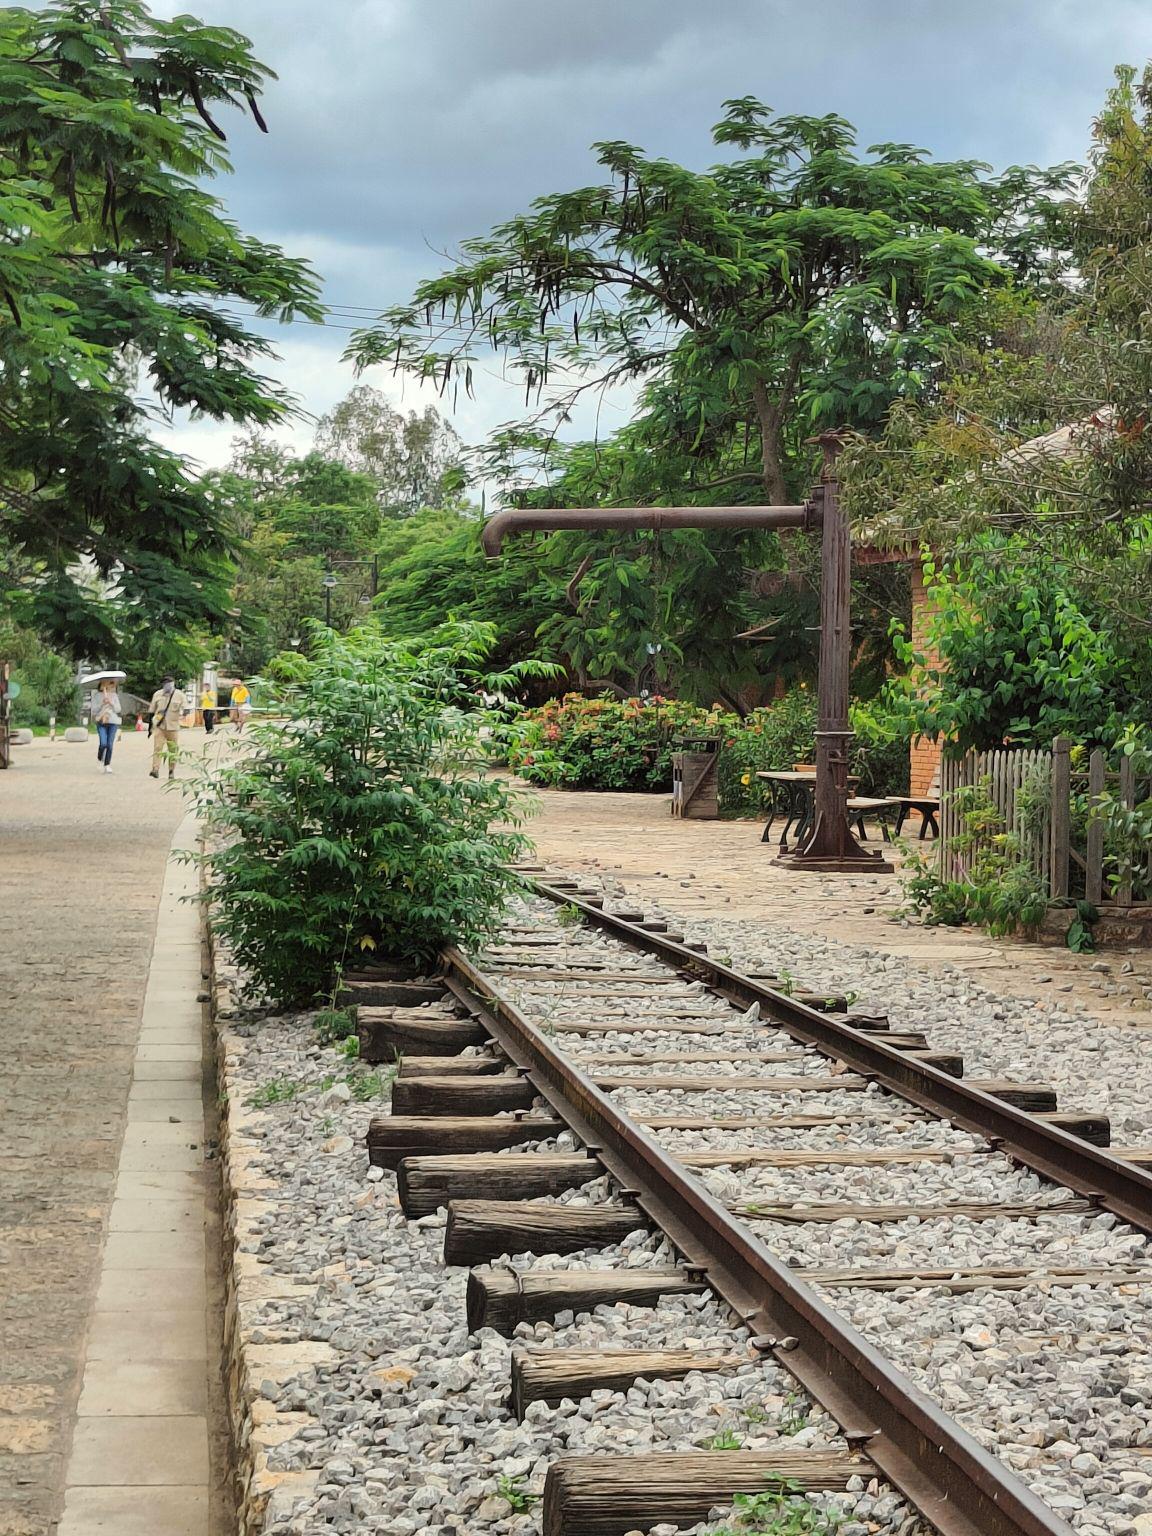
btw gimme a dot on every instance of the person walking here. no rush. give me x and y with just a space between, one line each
208 710
241 702
166 711
104 707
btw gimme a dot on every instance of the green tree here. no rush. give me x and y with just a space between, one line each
413 459
1024 655
797 285
1038 426
292 519
114 261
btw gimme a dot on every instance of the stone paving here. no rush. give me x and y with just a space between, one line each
720 869
82 866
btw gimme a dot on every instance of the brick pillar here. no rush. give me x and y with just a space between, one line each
924 755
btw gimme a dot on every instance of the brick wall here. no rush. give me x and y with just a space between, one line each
924 755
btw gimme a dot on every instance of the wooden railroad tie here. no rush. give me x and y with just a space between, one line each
481 1230
386 1034
501 1298
1031 1096
380 993
773 1122
691 1022
551 1375
594 974
959 1280
612 1495
684 1058
426 1183
809 1157
461 1095
391 1138
976 1211
453 1066
847 1082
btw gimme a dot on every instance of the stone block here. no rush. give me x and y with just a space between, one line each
77 733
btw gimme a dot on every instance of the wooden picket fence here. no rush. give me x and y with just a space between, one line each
1064 845
1005 771
1081 860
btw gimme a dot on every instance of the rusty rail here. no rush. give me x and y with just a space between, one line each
947 1475
1115 1185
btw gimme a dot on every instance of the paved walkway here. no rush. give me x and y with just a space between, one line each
103 1185
720 869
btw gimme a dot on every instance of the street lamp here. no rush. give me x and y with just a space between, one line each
328 583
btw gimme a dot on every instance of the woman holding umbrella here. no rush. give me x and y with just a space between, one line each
105 710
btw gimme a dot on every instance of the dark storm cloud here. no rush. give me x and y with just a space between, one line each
400 127
398 123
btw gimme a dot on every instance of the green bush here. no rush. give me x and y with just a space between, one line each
579 743
363 823
47 681
995 886
880 748
776 737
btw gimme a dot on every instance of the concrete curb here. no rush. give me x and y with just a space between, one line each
263 1496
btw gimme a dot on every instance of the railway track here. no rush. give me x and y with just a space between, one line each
591 1075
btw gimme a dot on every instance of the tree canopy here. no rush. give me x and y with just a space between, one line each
799 284
414 459
114 260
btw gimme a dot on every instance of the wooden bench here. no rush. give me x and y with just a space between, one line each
860 806
927 807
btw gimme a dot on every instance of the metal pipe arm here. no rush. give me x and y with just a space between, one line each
551 519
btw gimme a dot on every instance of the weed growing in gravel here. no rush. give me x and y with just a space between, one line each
726 1440
782 1511
568 916
795 1418
350 1048
370 1085
280 1090
513 1491
333 1024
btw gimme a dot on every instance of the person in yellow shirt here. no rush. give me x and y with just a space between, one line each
208 709
241 702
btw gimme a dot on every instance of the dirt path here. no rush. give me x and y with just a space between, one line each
720 869
82 857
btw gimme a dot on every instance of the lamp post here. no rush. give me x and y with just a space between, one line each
330 581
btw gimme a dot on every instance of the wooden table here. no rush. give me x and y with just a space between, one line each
794 796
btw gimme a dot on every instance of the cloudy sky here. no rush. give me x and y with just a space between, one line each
400 127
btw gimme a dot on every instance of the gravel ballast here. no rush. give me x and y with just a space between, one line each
396 1419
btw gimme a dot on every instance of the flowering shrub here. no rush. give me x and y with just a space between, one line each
776 737
579 743
623 744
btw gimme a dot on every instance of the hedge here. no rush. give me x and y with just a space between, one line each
610 744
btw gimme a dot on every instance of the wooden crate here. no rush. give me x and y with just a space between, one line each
695 785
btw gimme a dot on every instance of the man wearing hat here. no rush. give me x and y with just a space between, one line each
167 711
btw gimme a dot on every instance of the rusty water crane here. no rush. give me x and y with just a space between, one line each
831 844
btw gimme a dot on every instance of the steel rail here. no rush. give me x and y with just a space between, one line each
1117 1186
955 1484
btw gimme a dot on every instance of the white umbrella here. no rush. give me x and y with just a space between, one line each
99 677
